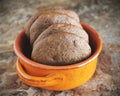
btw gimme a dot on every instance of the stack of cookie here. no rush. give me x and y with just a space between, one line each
57 38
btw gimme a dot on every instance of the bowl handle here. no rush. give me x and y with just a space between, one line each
46 81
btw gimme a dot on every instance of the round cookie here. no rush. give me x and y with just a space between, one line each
61 48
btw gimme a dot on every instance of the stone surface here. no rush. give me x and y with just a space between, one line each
102 15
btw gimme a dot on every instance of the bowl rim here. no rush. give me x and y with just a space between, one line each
43 66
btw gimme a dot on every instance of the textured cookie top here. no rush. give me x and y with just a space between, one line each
61 48
63 27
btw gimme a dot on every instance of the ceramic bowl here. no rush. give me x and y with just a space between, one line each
56 77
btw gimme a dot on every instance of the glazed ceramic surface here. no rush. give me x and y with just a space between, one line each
56 77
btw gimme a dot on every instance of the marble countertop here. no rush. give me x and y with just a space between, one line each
102 15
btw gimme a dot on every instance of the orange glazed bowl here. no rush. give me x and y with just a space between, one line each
56 77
